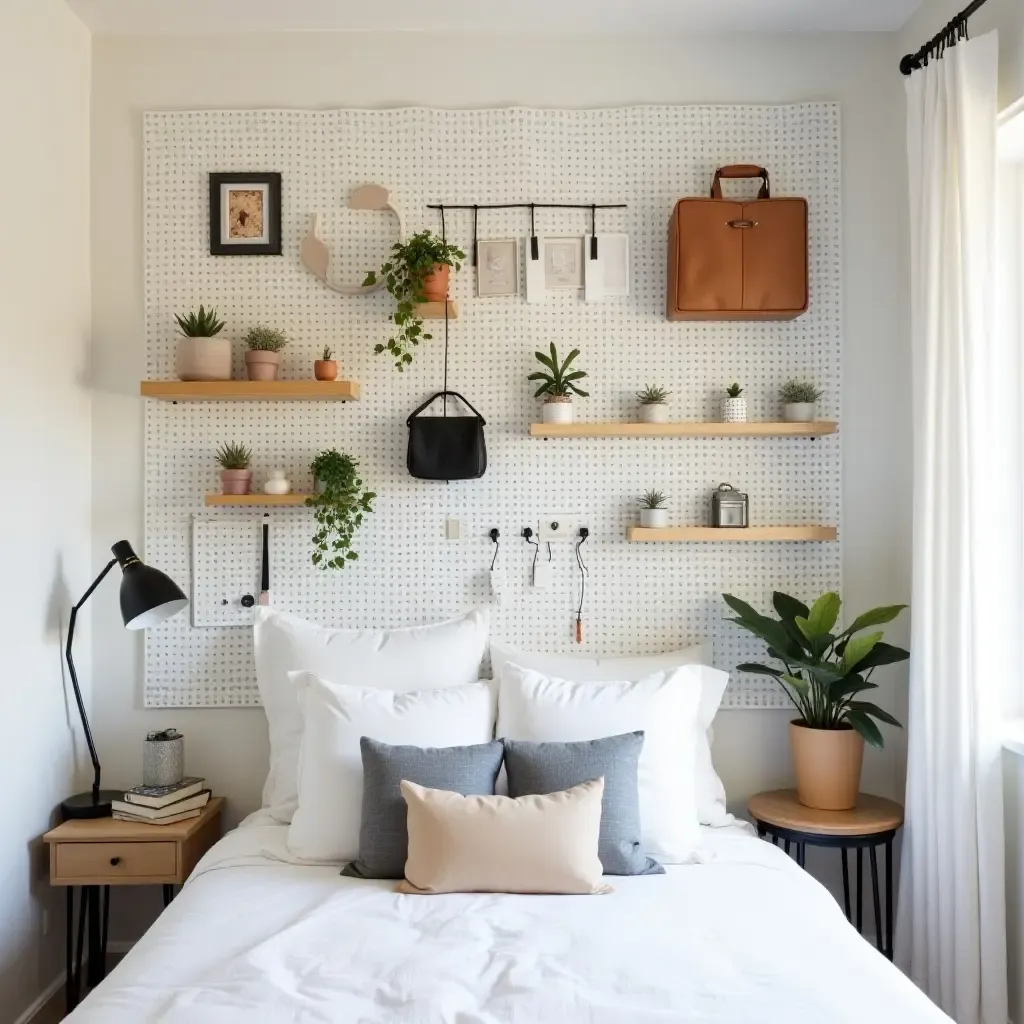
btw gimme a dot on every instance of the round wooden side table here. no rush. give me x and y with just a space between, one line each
874 822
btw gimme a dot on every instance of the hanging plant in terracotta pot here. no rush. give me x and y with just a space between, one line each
418 271
824 671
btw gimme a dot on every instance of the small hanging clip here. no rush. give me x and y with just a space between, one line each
593 231
534 244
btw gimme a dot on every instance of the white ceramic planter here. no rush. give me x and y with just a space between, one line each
798 412
654 413
204 359
277 483
655 518
557 411
734 410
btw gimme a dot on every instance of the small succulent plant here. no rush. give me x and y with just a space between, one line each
653 499
265 339
234 456
328 354
734 391
653 395
203 324
799 392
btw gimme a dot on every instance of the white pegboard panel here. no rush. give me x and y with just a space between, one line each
640 597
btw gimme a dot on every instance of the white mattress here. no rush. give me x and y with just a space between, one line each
744 936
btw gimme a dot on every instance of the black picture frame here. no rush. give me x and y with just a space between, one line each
271 181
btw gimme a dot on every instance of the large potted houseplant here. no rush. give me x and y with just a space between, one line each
201 355
558 385
799 399
824 671
418 271
653 404
340 503
263 352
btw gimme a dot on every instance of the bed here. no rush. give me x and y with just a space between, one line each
740 937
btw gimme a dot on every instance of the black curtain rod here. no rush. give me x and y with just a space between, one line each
949 36
526 206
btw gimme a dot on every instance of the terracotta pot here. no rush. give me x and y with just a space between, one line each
235 481
204 359
325 369
557 409
261 365
828 763
435 284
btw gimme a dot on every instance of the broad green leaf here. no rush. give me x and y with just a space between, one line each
848 685
876 617
771 632
866 728
759 670
546 360
788 607
800 685
867 708
823 615
858 648
582 394
882 654
370 279
741 608
823 672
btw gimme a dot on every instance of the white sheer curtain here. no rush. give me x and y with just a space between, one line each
951 924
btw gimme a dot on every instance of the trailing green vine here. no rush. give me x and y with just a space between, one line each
340 507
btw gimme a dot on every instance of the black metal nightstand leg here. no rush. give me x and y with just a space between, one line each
97 967
83 911
888 899
846 883
801 854
106 924
860 890
70 998
168 894
787 847
873 858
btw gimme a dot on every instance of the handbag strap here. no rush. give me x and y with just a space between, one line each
444 394
741 171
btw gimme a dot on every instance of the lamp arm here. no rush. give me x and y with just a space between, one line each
74 677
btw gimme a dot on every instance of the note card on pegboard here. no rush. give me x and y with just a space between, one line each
640 598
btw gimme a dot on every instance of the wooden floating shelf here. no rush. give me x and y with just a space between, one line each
250 390
715 533
279 500
435 310
818 428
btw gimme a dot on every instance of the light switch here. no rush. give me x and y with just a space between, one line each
452 529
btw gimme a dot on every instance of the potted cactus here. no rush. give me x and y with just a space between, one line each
799 398
654 509
264 352
201 355
558 385
734 405
653 404
325 368
235 474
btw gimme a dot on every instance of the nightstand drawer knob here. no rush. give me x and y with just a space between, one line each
114 861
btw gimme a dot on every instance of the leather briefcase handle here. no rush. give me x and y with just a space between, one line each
444 394
741 171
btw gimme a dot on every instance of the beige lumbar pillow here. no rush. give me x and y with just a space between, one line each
529 844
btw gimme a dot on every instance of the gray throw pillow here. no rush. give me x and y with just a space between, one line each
383 836
550 767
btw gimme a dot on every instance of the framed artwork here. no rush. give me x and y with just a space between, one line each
608 275
497 271
563 263
245 214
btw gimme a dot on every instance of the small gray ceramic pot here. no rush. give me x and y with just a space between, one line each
163 762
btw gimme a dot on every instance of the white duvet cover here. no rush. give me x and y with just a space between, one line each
743 937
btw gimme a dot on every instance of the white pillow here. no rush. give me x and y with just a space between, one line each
325 826
710 790
535 707
418 658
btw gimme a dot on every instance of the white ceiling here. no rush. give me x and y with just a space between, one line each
633 17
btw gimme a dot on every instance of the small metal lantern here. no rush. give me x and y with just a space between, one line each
729 508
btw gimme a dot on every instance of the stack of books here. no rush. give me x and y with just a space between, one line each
162 805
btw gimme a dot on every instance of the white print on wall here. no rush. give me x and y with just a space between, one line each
646 157
563 263
497 271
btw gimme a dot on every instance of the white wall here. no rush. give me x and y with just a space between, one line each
132 75
45 424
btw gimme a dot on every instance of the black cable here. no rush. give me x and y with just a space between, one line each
584 573
593 232
497 544
549 551
476 260
444 401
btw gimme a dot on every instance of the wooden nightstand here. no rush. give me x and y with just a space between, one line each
97 853
872 823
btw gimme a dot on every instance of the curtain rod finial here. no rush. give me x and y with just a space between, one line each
908 65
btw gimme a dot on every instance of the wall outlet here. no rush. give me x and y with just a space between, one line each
453 529
557 526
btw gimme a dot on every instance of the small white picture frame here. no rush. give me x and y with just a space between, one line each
612 277
563 263
497 271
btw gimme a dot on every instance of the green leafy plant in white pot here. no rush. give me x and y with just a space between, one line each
235 475
734 405
558 385
653 404
799 400
201 355
654 509
263 355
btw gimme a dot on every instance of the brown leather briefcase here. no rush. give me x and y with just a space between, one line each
736 260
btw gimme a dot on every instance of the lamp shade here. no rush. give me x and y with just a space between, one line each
148 596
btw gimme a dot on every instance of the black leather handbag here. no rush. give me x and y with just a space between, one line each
446 447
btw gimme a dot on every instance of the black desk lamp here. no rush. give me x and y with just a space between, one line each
147 597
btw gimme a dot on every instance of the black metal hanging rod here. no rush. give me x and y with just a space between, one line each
526 206
950 35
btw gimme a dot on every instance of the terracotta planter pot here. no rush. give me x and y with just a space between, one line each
325 369
235 481
828 763
260 365
435 284
204 359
